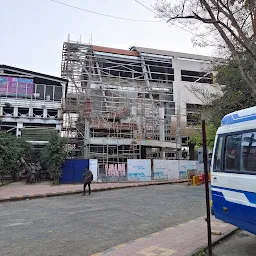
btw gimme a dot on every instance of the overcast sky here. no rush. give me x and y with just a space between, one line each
33 31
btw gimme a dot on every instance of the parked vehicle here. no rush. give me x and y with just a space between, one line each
233 170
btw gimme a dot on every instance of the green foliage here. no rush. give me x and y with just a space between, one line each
235 94
53 156
13 154
210 136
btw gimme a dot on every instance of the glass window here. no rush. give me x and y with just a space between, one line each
233 152
40 91
58 93
218 154
49 92
249 152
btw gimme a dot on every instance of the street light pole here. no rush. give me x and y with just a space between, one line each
207 198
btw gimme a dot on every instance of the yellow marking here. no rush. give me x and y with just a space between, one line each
139 239
120 246
168 252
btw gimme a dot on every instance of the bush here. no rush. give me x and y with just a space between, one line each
53 156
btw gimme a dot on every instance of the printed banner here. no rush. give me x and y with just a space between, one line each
12 86
139 169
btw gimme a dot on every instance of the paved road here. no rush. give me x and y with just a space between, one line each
241 243
76 225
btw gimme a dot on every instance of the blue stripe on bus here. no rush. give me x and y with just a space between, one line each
251 196
235 118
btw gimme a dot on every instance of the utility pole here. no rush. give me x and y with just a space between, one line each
207 198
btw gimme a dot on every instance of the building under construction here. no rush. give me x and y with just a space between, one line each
130 104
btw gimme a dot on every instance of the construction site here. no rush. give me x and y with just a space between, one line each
130 104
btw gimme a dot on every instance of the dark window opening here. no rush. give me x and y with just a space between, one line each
155 96
184 140
232 152
217 165
8 110
58 93
193 114
52 113
249 152
49 92
195 76
37 112
40 91
23 112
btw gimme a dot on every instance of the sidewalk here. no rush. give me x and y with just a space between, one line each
181 240
21 190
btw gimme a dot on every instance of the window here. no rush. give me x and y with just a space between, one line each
217 165
249 152
58 93
49 92
233 152
195 76
193 114
40 91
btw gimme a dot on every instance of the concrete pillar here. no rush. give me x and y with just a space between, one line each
161 124
59 114
15 111
45 113
1 110
177 94
162 154
30 112
18 129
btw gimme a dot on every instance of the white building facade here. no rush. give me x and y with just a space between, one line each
30 103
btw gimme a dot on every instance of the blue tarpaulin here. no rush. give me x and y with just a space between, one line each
73 170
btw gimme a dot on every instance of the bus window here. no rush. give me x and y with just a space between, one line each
232 153
249 152
218 157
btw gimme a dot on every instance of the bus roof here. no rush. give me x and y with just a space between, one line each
239 116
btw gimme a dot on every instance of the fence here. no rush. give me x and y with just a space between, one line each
136 170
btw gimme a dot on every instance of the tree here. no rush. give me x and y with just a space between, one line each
234 95
196 139
234 22
54 155
13 153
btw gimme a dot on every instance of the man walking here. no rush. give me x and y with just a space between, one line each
88 177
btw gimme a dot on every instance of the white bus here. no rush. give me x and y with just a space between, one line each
233 171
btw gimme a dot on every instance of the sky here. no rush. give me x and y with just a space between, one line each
33 31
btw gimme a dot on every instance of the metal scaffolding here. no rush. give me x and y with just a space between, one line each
119 104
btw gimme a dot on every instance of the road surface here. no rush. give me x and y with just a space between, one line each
77 225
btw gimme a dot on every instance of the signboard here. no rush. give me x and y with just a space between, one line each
174 169
12 86
139 169
166 169
93 167
115 170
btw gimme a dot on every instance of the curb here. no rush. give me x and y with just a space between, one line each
204 248
35 196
